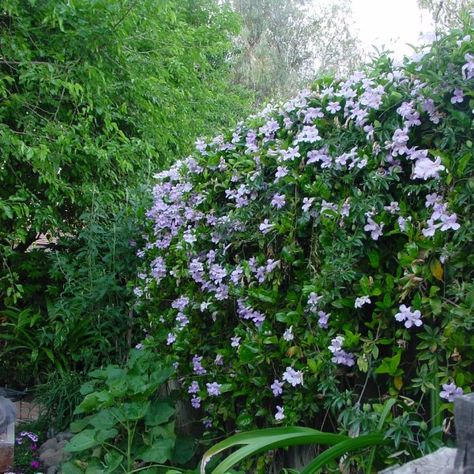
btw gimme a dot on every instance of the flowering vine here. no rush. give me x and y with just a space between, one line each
309 242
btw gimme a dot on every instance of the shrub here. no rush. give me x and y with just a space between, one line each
124 426
315 261
58 398
86 316
88 108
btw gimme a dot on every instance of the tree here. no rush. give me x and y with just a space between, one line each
284 44
94 96
447 13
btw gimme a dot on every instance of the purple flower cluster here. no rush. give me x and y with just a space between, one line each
280 413
288 334
468 68
408 317
450 391
278 200
241 196
313 301
158 268
32 439
323 319
27 434
440 218
277 388
375 229
197 367
292 376
361 301
194 387
265 227
213 389
340 356
247 312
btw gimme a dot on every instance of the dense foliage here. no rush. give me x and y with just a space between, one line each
87 320
89 105
315 261
93 96
124 426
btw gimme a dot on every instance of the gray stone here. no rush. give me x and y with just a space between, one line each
48 444
51 457
464 418
64 436
52 470
61 444
439 462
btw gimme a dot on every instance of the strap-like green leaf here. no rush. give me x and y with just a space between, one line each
341 448
263 440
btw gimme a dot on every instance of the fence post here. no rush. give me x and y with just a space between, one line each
464 420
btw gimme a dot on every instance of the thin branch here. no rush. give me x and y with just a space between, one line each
115 25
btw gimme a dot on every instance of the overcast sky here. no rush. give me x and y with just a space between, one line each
392 23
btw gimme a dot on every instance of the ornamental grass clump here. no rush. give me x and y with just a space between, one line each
315 261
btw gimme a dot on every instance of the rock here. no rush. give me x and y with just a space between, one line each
439 462
61 444
66 455
52 470
64 436
49 444
51 457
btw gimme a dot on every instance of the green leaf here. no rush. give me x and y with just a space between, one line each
436 269
389 365
270 340
264 440
93 401
244 420
314 365
70 467
82 441
385 412
374 258
98 374
133 411
159 413
104 435
247 353
80 424
163 431
160 452
161 376
112 460
183 451
87 388
118 387
94 466
341 448
105 419
363 363
266 296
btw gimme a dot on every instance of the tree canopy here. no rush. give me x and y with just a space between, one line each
284 44
94 95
